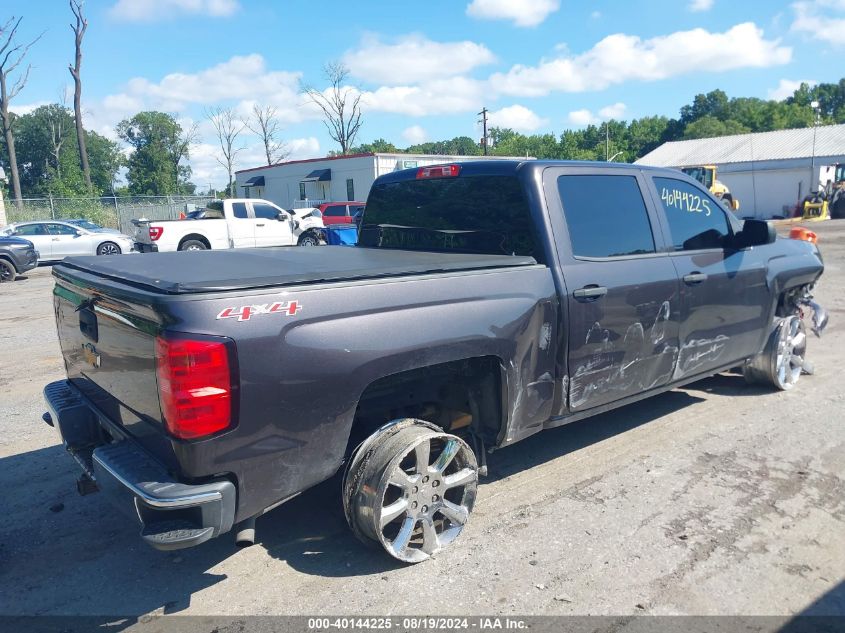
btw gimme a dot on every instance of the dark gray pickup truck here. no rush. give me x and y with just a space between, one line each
486 301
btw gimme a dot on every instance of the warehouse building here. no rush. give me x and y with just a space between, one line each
310 182
768 172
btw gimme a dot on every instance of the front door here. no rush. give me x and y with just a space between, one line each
622 290
724 294
269 229
241 226
67 241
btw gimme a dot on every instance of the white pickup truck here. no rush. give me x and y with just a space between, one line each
232 223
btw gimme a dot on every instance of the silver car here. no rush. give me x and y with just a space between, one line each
55 240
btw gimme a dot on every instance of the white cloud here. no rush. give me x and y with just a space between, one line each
786 87
697 6
518 118
207 170
415 135
26 108
241 77
521 12
415 59
157 10
443 96
822 19
618 58
582 117
595 15
615 111
588 117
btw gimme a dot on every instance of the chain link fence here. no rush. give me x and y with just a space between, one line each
116 212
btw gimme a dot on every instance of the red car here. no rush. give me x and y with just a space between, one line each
340 212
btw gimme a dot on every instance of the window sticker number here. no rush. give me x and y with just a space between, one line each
685 201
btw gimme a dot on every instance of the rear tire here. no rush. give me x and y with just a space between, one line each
108 248
192 245
781 363
7 271
410 488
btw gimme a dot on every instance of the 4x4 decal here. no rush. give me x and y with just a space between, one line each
244 313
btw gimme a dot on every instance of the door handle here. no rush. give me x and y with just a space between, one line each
262 224
694 278
56 239
589 293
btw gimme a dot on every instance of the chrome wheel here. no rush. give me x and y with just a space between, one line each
783 360
108 248
411 488
791 348
309 240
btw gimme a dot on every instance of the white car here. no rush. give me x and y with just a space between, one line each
55 240
232 223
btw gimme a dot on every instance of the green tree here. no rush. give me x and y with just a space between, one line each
49 156
159 146
377 146
709 126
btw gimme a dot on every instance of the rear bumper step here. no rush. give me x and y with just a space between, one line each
173 515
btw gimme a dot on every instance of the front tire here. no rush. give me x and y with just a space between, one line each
782 362
108 248
308 239
192 245
410 488
7 271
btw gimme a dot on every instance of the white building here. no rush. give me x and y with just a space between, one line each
768 172
307 183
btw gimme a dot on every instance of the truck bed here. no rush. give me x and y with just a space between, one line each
243 269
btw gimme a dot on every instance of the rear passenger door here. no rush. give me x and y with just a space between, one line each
241 226
622 289
725 299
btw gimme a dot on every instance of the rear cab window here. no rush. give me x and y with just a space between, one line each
239 210
482 214
606 216
695 220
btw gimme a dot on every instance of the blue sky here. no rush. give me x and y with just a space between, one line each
425 69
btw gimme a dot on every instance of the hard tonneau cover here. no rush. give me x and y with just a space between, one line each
243 269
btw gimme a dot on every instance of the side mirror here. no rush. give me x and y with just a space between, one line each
755 233
77 233
282 217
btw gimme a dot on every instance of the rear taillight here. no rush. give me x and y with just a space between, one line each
155 232
438 171
194 386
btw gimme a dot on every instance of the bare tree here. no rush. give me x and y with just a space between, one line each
11 55
56 121
228 128
265 123
341 105
79 29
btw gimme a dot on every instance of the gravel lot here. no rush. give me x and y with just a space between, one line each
712 499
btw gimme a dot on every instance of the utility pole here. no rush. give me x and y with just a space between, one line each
606 141
483 115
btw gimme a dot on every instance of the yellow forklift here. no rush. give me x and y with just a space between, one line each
829 200
706 175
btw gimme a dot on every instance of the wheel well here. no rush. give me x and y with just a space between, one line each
461 397
8 260
197 237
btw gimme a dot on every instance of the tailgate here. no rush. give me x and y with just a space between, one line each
142 231
108 346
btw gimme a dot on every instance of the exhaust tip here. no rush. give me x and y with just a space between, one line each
245 534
